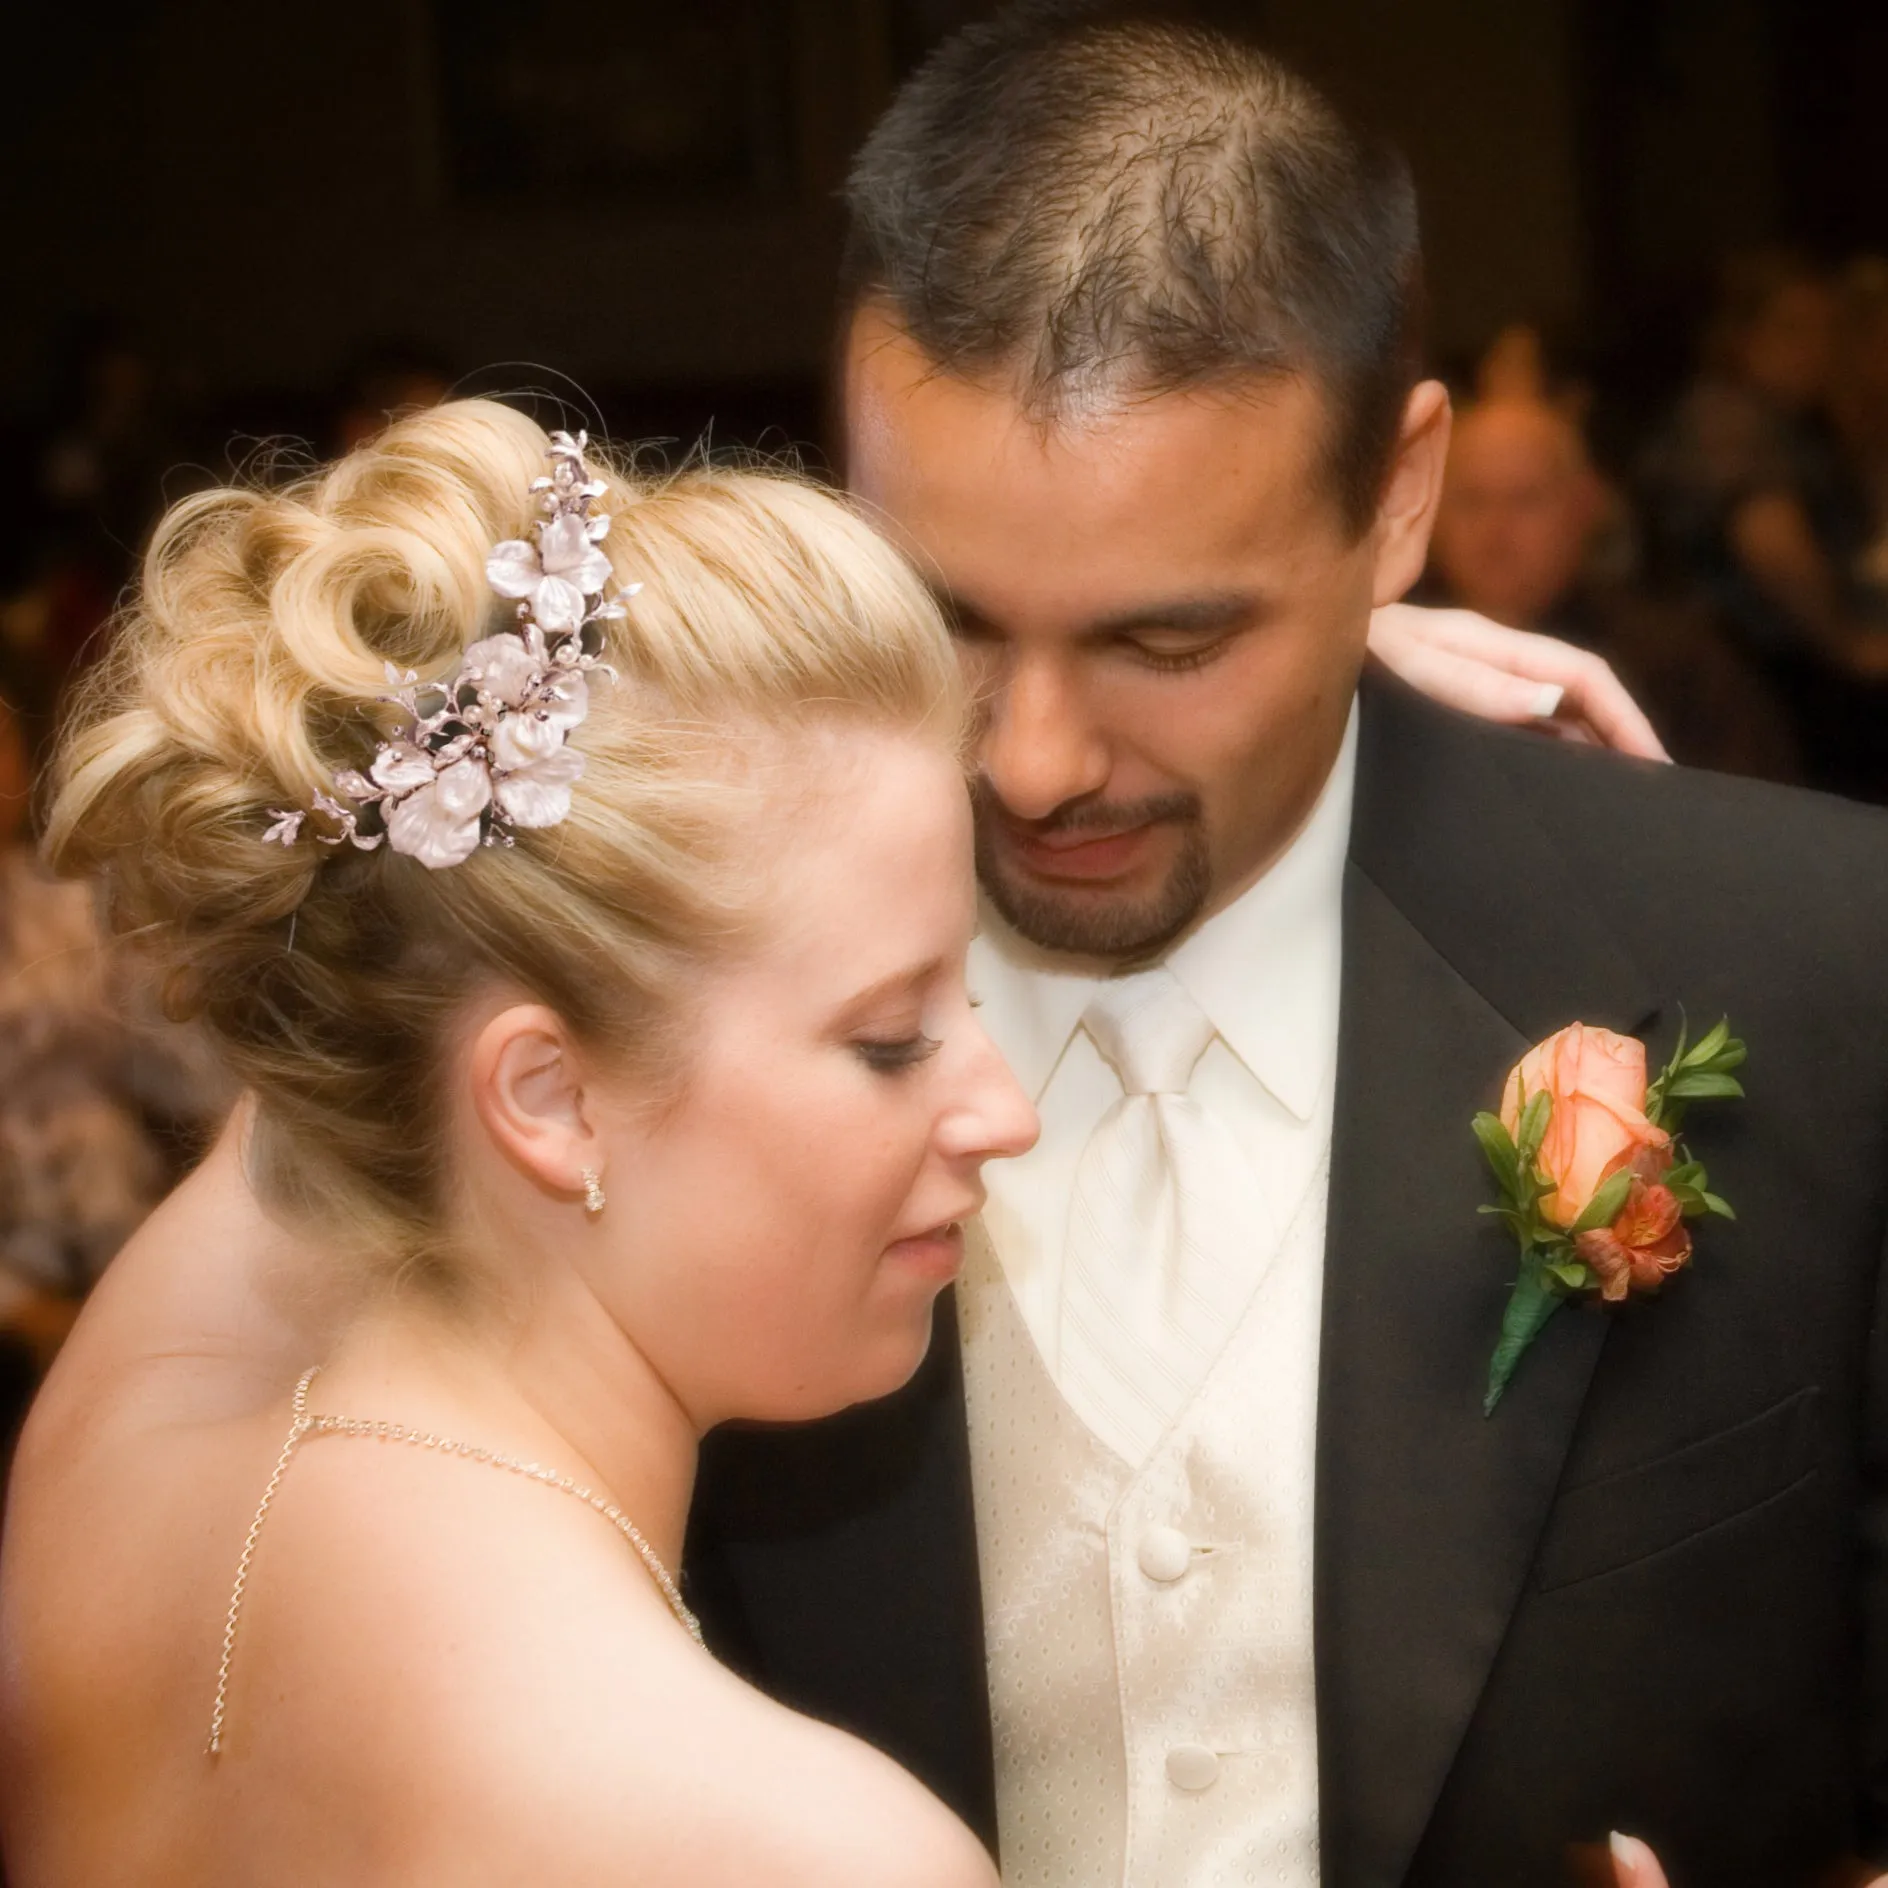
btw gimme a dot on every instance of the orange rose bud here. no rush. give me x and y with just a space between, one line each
1597 1081
1642 1248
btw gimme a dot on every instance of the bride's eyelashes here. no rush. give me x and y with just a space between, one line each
893 1055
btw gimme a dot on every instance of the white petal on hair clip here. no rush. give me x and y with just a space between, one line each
483 749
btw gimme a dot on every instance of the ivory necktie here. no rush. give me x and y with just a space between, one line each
1148 1297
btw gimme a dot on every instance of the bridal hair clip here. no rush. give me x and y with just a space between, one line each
484 750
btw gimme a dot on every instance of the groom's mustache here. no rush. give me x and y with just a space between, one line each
1089 815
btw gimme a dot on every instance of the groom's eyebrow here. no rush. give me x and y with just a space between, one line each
1218 610
1199 615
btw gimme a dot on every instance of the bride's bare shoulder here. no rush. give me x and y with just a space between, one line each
745 1793
651 1749
487 1673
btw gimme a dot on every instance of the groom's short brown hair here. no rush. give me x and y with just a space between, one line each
1103 203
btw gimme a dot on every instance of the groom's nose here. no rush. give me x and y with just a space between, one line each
1040 747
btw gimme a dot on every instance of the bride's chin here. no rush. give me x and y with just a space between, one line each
905 1358
878 1368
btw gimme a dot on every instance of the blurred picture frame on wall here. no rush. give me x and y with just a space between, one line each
638 104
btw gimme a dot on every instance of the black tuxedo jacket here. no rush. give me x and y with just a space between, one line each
1648 1594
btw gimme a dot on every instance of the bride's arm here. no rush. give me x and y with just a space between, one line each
1512 676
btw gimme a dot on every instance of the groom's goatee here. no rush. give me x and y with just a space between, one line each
1118 927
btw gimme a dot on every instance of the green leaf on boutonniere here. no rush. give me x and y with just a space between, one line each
1498 1145
1702 1085
1711 1043
1536 1297
1572 1274
1603 1208
1712 1204
1532 1129
1701 1072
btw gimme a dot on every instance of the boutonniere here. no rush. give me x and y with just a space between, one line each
1594 1181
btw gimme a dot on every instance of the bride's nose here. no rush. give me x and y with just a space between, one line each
993 1118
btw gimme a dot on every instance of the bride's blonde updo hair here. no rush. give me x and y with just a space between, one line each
245 674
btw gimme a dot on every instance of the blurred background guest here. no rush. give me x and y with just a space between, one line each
1519 536
1754 510
1858 409
1520 504
101 1104
1521 364
1514 366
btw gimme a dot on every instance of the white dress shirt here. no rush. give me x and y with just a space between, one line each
1149 1624
1265 970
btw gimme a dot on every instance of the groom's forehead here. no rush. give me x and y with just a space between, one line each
963 472
904 412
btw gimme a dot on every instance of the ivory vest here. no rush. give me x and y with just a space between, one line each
1149 1631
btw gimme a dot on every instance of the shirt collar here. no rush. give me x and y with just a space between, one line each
1265 969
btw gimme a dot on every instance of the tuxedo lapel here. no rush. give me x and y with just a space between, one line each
1428 1513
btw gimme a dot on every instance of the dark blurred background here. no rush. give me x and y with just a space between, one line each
230 221
1656 233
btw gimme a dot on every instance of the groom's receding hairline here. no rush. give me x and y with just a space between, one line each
1097 203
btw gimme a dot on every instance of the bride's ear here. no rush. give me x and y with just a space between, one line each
527 1090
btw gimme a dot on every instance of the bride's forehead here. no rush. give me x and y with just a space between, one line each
866 877
856 798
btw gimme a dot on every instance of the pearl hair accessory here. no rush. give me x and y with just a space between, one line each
484 750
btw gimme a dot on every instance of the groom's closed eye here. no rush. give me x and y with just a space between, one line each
1175 651
1181 635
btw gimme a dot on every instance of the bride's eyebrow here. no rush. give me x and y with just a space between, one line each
898 983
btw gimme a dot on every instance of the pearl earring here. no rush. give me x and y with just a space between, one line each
593 1200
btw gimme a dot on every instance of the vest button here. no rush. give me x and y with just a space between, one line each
1166 1554
1192 1767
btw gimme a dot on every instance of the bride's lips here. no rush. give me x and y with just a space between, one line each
1079 855
938 1253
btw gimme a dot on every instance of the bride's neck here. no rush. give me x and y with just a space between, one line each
558 1383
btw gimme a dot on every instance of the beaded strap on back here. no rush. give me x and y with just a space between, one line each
304 1425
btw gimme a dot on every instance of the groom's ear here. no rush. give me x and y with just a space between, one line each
527 1091
1411 492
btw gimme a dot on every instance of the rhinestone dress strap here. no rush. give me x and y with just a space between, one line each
304 1425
